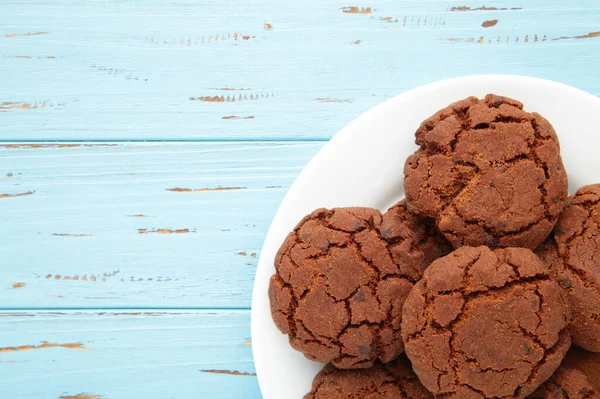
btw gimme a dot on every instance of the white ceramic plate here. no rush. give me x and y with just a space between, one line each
362 166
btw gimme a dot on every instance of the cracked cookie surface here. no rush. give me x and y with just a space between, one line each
485 324
340 285
573 254
394 380
566 384
488 172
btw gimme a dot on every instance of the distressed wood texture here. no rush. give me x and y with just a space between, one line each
123 263
138 225
172 69
126 354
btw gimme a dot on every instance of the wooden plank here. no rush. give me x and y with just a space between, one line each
158 69
138 224
133 354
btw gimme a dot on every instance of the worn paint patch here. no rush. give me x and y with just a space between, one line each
500 39
9 175
357 10
18 285
18 314
490 23
230 89
138 216
165 231
43 345
83 396
356 42
484 8
12 105
139 313
71 235
149 313
118 73
50 57
85 277
13 35
16 195
415 20
238 117
459 40
201 40
247 343
229 372
233 98
333 100
587 36
159 279
55 145
203 190
268 26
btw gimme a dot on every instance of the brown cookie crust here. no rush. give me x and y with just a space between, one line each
485 323
488 172
573 255
566 384
338 290
586 362
394 380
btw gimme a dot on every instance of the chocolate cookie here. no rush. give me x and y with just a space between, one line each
566 384
573 255
485 324
586 362
338 289
394 380
488 172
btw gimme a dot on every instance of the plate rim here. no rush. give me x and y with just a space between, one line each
258 285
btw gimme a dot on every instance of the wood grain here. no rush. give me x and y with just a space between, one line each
139 224
129 70
90 221
128 354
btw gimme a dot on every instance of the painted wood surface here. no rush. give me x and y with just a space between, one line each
263 70
126 354
127 266
138 225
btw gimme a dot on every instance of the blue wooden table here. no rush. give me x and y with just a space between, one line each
146 145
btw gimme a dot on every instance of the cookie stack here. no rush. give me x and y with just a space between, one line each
474 286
